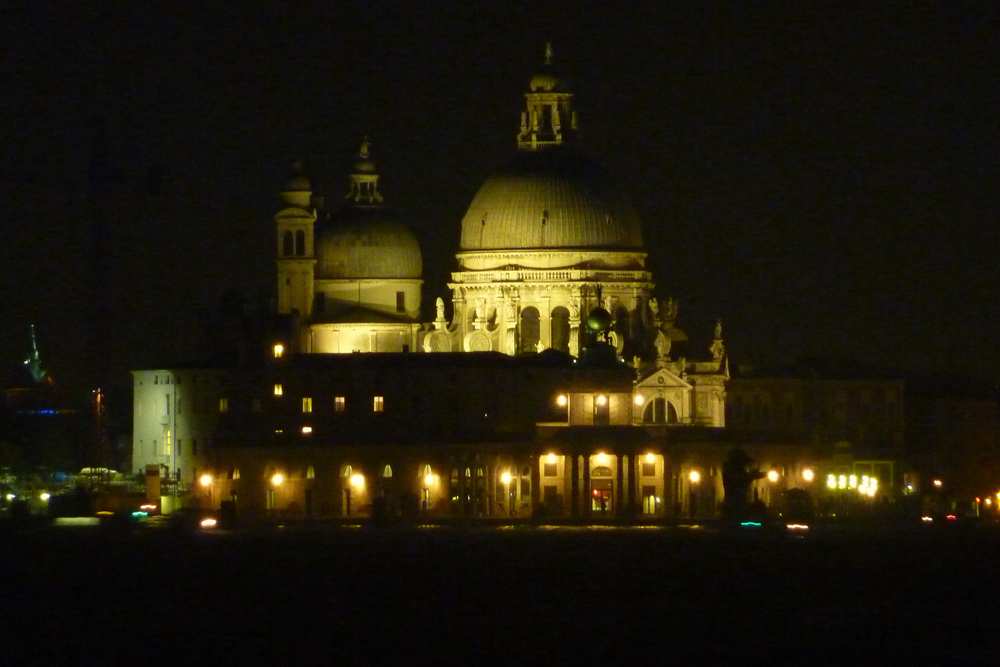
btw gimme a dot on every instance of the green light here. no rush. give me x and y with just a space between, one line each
750 524
139 513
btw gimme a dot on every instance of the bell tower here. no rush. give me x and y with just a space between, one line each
549 119
295 256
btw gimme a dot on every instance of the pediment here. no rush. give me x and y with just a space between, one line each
662 379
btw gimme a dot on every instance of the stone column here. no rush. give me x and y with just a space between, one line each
633 479
536 481
574 483
587 500
619 501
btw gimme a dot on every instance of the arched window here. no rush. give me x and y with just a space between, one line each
425 471
530 331
387 471
346 472
659 411
287 244
234 473
300 242
560 329
602 471
310 473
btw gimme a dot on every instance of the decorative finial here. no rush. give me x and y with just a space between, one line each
548 53
363 153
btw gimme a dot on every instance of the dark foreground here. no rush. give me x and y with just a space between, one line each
458 596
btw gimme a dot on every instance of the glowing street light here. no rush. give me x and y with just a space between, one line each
45 495
938 483
206 480
602 400
278 479
551 458
808 475
650 458
358 481
773 476
695 476
638 400
561 400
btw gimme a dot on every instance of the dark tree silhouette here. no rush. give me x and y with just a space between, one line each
738 473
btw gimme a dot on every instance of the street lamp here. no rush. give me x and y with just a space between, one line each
695 477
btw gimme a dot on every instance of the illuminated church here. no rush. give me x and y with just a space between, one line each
554 384
547 243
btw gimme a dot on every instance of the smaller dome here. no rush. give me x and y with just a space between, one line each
546 82
599 320
367 243
298 181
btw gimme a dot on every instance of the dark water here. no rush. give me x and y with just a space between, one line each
512 596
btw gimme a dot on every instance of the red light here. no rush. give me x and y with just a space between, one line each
978 500
951 517
596 492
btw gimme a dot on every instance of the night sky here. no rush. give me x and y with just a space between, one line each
822 176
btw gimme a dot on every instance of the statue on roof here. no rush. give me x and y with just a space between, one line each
548 53
364 147
34 362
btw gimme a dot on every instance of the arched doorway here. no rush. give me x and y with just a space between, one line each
530 331
560 329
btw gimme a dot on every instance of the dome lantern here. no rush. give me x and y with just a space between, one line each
549 119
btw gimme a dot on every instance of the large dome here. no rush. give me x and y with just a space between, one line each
550 199
367 242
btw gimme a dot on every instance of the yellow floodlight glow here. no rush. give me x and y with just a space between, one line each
278 390
842 482
650 458
601 458
694 476
505 478
808 474
938 483
430 480
831 481
551 458
638 400
602 400
852 481
208 523
306 430
205 480
279 350
773 475
45 495
358 481
561 400
278 479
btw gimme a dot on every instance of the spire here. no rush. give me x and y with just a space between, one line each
364 180
549 119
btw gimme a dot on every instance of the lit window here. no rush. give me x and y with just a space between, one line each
223 405
307 404
379 404
279 350
339 404
310 473
306 430
278 390
166 442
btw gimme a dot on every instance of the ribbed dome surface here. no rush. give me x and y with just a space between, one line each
367 242
549 199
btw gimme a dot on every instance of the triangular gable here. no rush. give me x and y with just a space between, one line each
663 378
